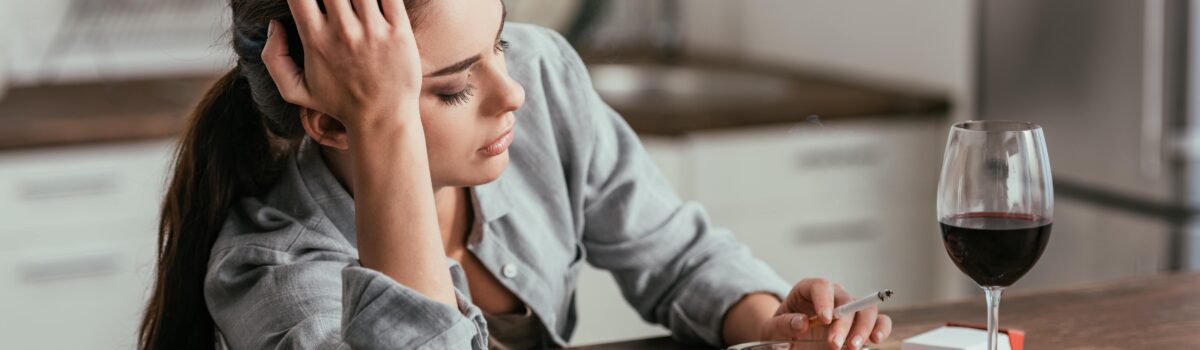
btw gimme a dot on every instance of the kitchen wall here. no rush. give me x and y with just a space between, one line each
914 44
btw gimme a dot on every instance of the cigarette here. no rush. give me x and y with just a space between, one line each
850 308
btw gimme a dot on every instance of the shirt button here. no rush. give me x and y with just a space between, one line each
509 270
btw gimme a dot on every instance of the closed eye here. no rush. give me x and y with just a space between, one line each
458 98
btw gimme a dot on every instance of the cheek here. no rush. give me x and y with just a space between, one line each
443 136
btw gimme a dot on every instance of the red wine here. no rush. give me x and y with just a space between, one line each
995 249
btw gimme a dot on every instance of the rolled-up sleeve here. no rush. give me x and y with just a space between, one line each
671 263
314 299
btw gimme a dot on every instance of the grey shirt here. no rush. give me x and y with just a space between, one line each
284 272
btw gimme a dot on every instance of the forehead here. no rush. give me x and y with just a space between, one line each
453 30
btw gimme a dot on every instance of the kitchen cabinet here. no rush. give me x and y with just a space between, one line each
78 242
851 200
1090 243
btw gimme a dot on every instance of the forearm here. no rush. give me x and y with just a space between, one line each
745 318
395 216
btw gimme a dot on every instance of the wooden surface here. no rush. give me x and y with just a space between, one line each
97 112
1159 312
119 111
808 94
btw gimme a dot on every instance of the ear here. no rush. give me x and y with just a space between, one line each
324 128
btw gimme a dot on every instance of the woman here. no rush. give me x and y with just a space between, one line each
389 175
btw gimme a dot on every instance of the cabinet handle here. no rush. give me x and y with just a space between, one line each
850 156
69 267
837 232
78 185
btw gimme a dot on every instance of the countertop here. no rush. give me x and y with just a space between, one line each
57 115
1156 312
807 93
132 110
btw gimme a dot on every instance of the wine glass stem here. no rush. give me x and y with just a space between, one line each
993 313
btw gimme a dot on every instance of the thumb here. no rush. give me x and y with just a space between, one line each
288 77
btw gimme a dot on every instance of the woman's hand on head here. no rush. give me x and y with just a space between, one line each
360 64
818 297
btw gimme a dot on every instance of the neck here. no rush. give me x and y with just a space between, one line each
455 216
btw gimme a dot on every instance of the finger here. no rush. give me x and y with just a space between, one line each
395 13
307 15
864 322
368 12
288 77
817 294
341 14
883 329
786 327
840 327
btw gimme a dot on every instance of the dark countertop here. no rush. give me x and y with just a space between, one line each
41 116
828 97
131 110
1155 312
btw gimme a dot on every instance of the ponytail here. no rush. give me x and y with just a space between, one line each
224 154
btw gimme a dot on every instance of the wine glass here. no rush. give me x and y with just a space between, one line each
995 204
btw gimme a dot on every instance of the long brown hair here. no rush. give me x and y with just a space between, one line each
239 134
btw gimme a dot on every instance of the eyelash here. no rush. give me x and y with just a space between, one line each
464 96
458 98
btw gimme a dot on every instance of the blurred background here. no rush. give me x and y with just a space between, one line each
813 129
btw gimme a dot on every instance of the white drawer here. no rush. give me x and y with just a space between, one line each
741 172
64 233
863 253
78 184
79 297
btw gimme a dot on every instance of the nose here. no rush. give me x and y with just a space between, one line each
509 96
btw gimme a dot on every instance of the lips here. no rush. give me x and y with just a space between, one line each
499 145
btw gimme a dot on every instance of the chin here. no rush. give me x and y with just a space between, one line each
488 170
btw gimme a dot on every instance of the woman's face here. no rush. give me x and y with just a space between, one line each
467 98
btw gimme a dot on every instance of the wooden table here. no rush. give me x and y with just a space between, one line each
1159 312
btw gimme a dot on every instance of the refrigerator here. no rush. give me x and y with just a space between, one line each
1114 85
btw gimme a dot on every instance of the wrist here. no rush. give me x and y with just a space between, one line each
400 114
744 321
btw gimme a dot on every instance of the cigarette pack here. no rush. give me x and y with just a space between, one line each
954 336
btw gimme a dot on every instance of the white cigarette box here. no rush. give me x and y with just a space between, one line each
952 338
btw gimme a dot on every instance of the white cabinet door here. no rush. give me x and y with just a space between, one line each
76 295
77 243
1089 243
851 201
72 184
740 173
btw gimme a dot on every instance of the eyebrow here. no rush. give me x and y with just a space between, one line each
470 61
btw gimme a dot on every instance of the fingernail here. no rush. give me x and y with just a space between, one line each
838 341
878 336
798 322
857 341
270 28
827 315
